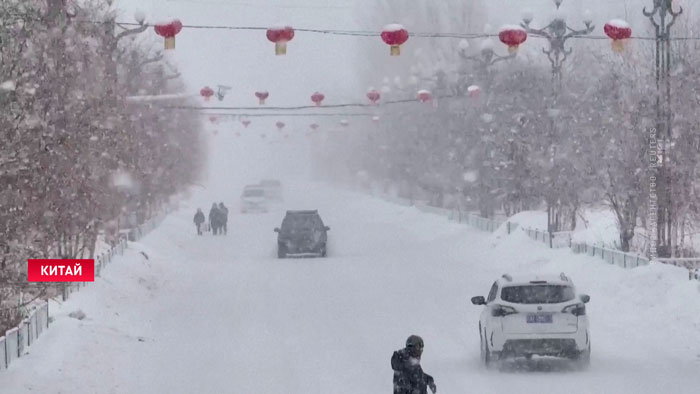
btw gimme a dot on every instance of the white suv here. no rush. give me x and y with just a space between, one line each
541 316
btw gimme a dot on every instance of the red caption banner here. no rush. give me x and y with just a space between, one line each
61 270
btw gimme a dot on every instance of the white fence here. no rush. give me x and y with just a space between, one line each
17 340
555 240
561 239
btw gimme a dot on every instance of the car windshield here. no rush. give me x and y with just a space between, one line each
253 193
537 294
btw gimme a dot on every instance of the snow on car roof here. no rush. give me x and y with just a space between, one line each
519 280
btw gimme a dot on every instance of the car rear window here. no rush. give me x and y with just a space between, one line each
537 294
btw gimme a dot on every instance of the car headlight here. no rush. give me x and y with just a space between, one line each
576 309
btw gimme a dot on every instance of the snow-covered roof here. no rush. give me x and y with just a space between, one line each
522 279
394 27
619 23
511 27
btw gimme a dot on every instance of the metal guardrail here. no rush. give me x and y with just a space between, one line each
17 340
611 256
555 240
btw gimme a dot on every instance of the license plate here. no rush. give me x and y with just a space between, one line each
539 318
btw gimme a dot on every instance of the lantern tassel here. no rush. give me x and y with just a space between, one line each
169 43
395 50
262 101
280 48
513 49
618 46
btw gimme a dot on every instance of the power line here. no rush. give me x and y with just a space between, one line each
367 33
286 115
304 107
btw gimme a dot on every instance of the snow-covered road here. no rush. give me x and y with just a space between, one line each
216 315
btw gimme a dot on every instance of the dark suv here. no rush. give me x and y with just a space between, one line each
302 234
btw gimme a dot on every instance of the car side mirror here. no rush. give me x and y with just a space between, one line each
478 300
277 230
328 228
585 298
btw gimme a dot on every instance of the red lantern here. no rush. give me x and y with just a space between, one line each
513 36
344 123
212 119
317 98
314 126
373 96
395 35
618 30
262 96
473 91
280 36
280 125
168 30
246 123
206 92
425 96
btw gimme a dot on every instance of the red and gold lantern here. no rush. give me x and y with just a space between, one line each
317 98
314 126
395 35
245 123
513 36
425 96
206 92
473 91
168 30
280 36
373 96
262 96
619 31
280 125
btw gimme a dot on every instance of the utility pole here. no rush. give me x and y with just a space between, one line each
663 17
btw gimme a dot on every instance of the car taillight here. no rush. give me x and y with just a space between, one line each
576 310
502 310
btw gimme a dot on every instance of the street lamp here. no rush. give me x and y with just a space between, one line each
557 32
663 17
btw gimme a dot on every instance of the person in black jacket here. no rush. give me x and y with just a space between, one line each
224 217
215 219
199 220
409 377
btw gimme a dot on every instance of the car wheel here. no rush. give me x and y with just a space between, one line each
486 355
323 251
281 252
583 358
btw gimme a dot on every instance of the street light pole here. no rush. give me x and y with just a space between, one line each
663 18
557 33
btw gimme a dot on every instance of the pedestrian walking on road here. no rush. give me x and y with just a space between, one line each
199 220
215 219
224 217
409 377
